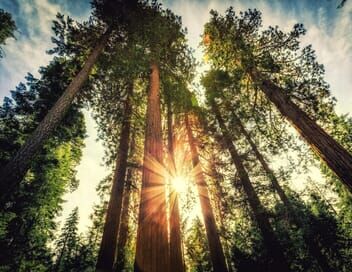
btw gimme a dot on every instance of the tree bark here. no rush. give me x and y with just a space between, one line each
216 251
330 151
220 198
152 252
176 256
13 173
312 246
123 231
275 250
108 245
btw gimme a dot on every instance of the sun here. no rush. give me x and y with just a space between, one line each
179 184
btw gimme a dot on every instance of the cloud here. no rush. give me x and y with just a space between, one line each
28 52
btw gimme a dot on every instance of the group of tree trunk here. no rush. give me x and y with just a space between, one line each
237 61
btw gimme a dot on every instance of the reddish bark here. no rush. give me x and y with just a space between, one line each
330 151
152 253
108 245
176 256
216 251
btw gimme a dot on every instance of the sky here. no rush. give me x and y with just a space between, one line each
329 30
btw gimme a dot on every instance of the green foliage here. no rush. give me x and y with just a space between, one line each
28 218
197 252
67 245
7 28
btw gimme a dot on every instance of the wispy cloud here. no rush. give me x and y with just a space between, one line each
28 52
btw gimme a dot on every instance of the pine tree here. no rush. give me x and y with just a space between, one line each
7 29
67 244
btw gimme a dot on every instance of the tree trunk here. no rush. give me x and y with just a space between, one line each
176 256
330 151
220 197
313 248
152 235
275 251
13 173
123 231
108 245
216 251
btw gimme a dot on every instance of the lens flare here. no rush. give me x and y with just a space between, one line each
179 184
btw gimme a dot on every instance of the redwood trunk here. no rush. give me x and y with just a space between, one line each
330 151
108 245
278 259
313 248
152 252
216 251
176 256
13 173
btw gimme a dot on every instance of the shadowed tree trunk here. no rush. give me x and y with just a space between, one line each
13 173
216 251
220 198
152 252
176 256
123 230
108 245
275 250
313 248
330 151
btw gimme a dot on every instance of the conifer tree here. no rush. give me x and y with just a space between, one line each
67 244
7 29
259 57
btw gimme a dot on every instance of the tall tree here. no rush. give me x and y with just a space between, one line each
124 229
216 251
176 255
152 237
275 250
253 55
313 247
107 251
13 172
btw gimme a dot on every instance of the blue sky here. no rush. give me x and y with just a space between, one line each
329 30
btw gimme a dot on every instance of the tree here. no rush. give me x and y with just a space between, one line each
252 54
313 247
152 242
7 29
124 228
216 251
162 29
28 214
278 259
17 167
67 244
107 251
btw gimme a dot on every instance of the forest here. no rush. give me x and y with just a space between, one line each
208 171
